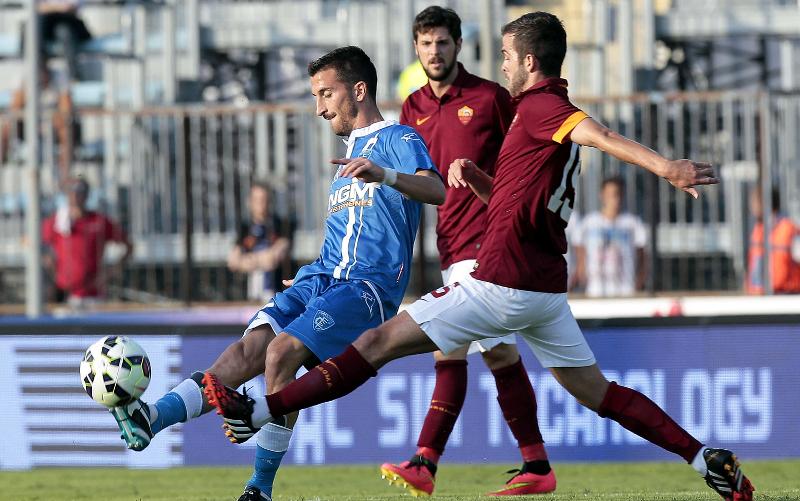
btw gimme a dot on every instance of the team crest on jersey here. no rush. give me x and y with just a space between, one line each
369 300
465 114
323 321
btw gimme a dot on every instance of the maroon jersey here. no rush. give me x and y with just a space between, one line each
533 193
468 121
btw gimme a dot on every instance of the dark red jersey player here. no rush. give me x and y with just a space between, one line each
468 121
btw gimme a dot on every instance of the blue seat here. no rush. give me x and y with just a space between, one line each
5 99
9 45
88 94
115 44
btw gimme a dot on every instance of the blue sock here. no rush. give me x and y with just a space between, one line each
266 466
171 409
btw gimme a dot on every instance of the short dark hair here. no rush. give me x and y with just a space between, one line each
352 65
613 180
542 35
437 17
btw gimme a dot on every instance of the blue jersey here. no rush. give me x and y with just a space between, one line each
370 229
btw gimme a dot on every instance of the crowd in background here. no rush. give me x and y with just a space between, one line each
608 248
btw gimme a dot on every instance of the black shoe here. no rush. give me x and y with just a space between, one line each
235 408
725 476
252 493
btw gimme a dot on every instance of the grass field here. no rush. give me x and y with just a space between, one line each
774 480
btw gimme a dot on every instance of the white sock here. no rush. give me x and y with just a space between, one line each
273 437
261 415
192 397
699 462
152 412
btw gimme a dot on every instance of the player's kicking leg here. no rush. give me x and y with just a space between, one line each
328 324
241 361
336 376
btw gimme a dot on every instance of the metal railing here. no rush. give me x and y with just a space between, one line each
177 179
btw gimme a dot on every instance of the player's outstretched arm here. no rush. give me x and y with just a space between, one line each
464 173
425 186
682 174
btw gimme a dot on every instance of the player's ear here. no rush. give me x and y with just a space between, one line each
458 46
531 63
360 91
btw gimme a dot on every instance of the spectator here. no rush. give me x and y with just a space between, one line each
61 32
78 238
261 247
56 102
610 247
785 274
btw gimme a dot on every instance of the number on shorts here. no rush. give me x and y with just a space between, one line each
444 290
563 199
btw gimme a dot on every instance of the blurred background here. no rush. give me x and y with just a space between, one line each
183 137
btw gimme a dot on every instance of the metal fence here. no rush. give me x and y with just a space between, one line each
177 179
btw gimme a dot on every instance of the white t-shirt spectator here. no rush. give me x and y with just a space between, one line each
610 247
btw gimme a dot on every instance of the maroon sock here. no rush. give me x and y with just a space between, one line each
518 403
448 398
642 416
333 378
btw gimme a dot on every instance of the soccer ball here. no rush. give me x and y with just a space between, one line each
115 371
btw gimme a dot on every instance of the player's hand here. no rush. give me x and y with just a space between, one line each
461 171
685 174
361 168
288 283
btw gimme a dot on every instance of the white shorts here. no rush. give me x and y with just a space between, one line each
459 271
471 310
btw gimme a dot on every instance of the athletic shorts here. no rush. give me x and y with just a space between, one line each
471 310
459 271
325 313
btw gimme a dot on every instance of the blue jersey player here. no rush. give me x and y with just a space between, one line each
357 282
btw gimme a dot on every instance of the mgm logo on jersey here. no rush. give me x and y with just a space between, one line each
351 195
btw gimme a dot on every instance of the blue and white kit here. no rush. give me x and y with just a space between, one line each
362 272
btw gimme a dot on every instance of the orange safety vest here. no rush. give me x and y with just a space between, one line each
785 274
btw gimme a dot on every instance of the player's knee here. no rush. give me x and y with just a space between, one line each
457 354
502 355
232 363
587 384
373 343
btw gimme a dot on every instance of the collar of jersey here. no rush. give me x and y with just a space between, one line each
369 129
547 82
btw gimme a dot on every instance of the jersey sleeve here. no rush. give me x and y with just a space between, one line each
550 117
409 153
405 113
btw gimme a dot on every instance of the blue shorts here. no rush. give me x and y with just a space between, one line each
325 313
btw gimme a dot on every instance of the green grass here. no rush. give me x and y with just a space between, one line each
775 480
